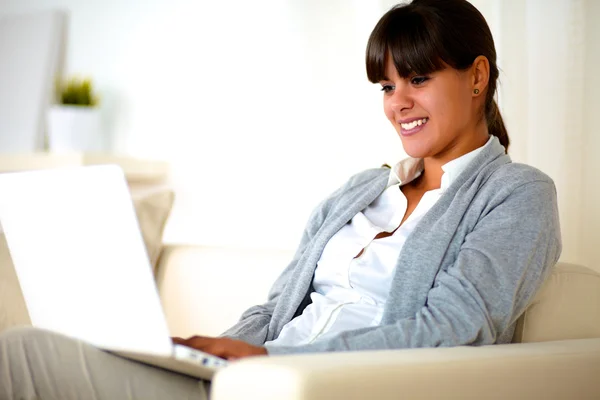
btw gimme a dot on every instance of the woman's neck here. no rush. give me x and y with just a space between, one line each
431 177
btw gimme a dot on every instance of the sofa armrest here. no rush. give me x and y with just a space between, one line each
551 370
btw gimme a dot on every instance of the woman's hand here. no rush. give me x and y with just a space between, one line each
229 349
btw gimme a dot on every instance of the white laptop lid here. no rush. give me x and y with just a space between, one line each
80 257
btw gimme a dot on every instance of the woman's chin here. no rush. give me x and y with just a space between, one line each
415 149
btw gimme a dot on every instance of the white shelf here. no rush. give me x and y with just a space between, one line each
136 170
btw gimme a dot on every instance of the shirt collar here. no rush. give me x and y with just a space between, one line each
411 168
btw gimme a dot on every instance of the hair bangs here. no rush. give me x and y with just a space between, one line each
413 43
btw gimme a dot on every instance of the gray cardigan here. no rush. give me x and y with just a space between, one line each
464 276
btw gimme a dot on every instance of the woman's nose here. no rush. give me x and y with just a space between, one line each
401 99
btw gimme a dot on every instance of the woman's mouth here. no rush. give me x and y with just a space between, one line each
413 127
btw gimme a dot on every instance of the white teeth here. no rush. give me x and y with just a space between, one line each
414 124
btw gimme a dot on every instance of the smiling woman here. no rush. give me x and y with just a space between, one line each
447 248
425 254
433 83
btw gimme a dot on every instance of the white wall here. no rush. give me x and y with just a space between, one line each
263 107
590 198
548 54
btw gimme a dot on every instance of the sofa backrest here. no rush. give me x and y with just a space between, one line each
190 277
205 289
566 307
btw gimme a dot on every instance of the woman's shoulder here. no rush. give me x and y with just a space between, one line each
512 175
366 176
514 182
362 181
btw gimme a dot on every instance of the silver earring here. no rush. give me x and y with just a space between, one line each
476 91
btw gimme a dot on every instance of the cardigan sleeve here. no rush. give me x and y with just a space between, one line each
252 326
499 268
254 323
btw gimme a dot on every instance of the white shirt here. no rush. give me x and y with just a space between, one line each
350 292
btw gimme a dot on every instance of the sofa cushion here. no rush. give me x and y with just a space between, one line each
12 307
152 209
566 307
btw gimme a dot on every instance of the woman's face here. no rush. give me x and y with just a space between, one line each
433 114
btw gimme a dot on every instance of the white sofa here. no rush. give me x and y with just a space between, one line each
556 354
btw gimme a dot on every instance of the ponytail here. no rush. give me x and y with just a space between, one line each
495 124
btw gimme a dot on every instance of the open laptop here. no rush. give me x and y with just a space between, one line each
82 265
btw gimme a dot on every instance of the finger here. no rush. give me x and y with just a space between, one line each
178 340
196 337
200 341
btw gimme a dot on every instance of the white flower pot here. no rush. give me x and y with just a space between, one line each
75 129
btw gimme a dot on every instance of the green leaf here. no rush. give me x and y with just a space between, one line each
74 91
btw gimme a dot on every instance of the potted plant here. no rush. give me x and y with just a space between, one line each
74 122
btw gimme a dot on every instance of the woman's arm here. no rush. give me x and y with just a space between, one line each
254 323
500 267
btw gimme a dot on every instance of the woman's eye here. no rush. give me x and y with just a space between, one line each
419 80
387 88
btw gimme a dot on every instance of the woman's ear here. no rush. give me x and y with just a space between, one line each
480 73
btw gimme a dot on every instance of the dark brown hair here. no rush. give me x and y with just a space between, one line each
428 35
